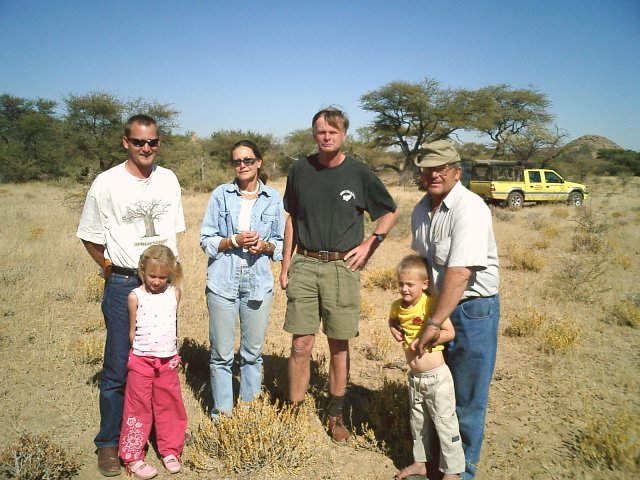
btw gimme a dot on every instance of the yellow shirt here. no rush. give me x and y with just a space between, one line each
413 318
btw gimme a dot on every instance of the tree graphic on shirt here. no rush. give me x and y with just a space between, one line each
148 212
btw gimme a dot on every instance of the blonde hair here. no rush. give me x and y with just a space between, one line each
414 264
162 256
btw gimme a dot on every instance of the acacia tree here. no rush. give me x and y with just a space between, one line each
410 114
97 120
31 140
507 113
534 141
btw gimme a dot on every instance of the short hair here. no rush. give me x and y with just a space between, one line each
414 264
144 120
334 117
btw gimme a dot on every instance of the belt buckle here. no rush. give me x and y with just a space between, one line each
323 255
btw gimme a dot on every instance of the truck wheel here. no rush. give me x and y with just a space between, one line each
575 199
515 199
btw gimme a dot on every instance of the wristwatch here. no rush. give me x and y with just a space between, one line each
379 236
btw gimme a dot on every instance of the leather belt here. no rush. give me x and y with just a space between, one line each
468 299
322 255
128 272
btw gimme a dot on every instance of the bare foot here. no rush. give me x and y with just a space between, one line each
416 468
451 476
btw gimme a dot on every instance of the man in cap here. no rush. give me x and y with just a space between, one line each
452 229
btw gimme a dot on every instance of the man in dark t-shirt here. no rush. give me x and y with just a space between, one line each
326 197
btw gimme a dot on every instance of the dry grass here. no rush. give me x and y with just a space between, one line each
258 438
385 278
523 257
560 321
611 443
36 457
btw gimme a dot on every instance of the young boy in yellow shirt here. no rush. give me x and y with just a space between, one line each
431 393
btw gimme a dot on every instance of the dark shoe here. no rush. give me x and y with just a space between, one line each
337 430
108 461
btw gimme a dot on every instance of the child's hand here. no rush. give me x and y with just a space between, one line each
396 331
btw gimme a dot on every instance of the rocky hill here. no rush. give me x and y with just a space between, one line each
596 142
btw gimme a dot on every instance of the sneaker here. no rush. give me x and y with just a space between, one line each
172 463
141 470
337 430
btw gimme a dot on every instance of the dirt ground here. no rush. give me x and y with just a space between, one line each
541 401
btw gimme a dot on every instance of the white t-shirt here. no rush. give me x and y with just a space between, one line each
128 214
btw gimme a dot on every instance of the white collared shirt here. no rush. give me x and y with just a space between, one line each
458 234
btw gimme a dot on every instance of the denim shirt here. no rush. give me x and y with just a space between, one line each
221 220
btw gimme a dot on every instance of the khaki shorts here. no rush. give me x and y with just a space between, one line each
322 290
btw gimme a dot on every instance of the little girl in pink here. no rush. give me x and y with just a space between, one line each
153 394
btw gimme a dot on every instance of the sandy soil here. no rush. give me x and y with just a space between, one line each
50 330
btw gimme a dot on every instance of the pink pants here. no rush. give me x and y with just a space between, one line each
152 396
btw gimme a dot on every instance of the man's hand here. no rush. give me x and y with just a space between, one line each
357 258
284 279
427 340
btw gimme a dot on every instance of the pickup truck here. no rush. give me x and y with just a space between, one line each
512 186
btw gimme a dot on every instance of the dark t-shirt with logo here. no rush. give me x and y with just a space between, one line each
327 203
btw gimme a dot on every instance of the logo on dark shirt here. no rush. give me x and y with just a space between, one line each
347 195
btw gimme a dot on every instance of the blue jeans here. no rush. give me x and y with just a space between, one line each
471 358
116 355
254 319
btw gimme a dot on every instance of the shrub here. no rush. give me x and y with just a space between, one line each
611 442
93 287
36 233
627 311
384 278
590 236
578 276
88 350
503 215
523 257
257 437
560 336
37 457
380 345
560 212
527 324
389 418
367 309
542 244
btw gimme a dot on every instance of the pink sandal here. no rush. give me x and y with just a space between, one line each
141 470
172 463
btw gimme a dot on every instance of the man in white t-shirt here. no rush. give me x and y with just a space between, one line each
128 207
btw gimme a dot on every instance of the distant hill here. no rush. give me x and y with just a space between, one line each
596 142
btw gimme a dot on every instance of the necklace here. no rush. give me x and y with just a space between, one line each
246 192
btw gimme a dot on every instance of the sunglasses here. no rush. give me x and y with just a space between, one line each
140 142
441 170
247 161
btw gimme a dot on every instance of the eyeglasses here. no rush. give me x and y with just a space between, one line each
140 142
248 161
441 170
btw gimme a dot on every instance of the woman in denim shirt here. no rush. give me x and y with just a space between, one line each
242 229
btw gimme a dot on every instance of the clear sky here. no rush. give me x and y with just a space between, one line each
268 66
